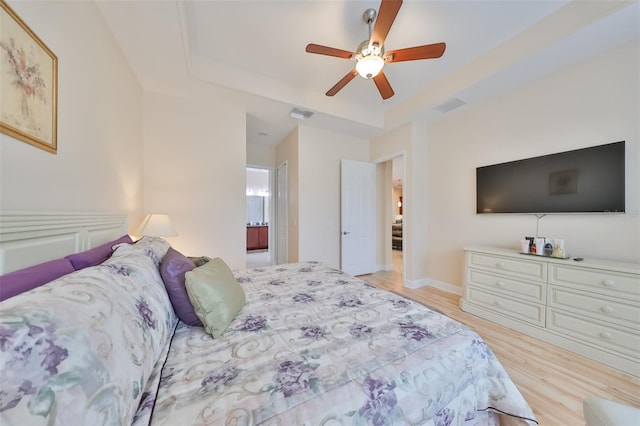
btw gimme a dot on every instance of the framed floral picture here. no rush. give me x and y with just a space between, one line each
28 84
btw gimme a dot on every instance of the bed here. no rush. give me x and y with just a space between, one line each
309 345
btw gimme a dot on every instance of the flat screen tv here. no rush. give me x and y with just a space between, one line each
588 180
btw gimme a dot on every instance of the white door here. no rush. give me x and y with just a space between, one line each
281 251
358 180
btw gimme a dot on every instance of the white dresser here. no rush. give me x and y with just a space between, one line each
590 307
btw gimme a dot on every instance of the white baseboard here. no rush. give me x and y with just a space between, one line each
424 281
382 267
450 288
414 283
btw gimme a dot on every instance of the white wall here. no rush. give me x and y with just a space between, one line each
195 171
410 141
261 155
98 167
592 103
320 154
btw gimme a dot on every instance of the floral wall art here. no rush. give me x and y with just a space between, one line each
28 84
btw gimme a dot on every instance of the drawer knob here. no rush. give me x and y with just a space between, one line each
500 265
498 303
608 283
500 284
607 309
605 335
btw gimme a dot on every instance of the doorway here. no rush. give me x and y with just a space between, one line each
391 217
259 214
397 228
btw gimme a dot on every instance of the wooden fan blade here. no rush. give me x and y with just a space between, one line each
383 85
343 82
386 15
428 51
329 51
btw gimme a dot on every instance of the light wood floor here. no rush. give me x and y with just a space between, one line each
552 380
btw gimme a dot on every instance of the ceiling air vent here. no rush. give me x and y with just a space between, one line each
450 105
300 114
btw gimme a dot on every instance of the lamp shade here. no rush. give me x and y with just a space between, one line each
369 66
156 225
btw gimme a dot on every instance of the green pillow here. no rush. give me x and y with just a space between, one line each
215 294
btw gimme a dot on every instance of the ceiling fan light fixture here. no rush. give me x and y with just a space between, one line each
370 55
369 66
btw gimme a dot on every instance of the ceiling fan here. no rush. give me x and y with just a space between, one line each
370 55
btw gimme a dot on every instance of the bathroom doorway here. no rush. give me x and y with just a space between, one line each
259 214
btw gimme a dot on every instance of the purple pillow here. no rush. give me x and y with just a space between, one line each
17 282
172 268
96 255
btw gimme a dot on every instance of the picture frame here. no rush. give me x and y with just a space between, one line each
28 84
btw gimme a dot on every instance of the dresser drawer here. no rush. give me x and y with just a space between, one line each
616 284
533 291
613 338
602 307
525 269
532 313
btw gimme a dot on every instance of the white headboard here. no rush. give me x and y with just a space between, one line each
29 238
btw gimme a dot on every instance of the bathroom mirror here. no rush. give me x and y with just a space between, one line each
257 211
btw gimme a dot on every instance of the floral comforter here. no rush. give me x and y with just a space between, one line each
316 346
84 349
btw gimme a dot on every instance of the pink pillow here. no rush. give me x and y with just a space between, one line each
96 255
172 268
26 279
